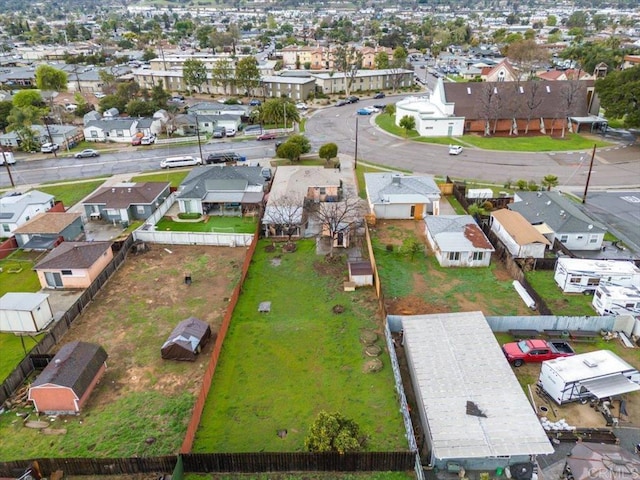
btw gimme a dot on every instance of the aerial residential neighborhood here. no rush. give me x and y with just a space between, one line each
320 240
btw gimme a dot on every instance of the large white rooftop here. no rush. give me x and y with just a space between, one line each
588 365
457 364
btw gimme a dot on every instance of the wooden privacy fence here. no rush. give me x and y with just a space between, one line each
55 333
215 354
250 462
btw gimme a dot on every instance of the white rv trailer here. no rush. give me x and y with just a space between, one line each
598 374
579 275
616 300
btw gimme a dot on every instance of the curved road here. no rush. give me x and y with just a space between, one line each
613 167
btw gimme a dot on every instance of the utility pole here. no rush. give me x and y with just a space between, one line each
355 163
46 124
586 187
6 164
198 134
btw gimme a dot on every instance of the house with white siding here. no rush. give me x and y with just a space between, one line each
457 241
398 196
519 236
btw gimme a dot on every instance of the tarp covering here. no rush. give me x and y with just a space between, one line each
610 386
186 340
589 461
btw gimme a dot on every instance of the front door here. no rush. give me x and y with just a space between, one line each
54 279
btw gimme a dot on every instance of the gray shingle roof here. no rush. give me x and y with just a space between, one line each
560 213
228 178
457 233
74 366
13 204
126 195
107 124
70 255
383 187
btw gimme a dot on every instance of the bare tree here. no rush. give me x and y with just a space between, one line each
528 56
337 217
284 215
490 107
533 101
570 93
348 61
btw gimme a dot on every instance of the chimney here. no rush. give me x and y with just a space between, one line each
396 180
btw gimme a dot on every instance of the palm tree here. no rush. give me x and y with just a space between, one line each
550 181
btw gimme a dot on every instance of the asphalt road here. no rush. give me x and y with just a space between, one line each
615 167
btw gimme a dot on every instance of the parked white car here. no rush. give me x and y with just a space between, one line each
455 149
301 106
49 147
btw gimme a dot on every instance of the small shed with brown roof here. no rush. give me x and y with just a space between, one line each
186 340
47 229
457 241
65 384
361 273
126 202
73 264
520 237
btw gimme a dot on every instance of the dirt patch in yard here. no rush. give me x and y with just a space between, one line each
142 303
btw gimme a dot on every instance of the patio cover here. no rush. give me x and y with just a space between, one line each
610 386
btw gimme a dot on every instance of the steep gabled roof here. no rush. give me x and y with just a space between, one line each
127 194
70 255
559 213
74 366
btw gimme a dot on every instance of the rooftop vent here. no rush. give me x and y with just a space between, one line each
396 180
590 363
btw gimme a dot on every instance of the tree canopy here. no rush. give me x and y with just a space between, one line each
332 432
620 95
50 78
194 73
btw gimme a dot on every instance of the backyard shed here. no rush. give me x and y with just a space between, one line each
468 422
186 340
24 312
65 384
598 374
361 273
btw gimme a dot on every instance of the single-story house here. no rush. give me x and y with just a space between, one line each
186 340
518 235
293 190
65 384
568 223
73 264
458 241
17 208
47 229
398 196
466 422
63 135
222 190
24 312
111 130
126 202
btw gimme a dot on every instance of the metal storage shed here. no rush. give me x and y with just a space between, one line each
186 340
24 312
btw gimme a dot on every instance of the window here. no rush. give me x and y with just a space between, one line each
140 209
593 281
454 255
477 256
574 280
580 237
323 191
564 238
5 227
66 272
593 239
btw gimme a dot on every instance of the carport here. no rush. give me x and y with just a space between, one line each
596 123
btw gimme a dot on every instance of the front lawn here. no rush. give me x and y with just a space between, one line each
278 370
73 192
216 224
541 143
387 123
559 302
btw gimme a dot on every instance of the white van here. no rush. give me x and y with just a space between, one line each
181 161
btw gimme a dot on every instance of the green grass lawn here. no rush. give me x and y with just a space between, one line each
26 280
13 352
560 303
175 177
443 289
572 141
213 224
453 201
279 370
72 193
387 123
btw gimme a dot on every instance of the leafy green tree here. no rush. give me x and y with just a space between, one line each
381 60
328 151
302 141
5 110
194 73
578 18
50 78
552 21
390 109
620 95
408 122
412 247
148 54
159 96
20 121
28 98
278 111
112 101
550 181
522 184
140 108
290 151
222 74
332 432
247 74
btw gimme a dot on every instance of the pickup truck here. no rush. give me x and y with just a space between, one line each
536 350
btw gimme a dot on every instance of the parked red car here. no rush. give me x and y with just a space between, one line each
268 136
